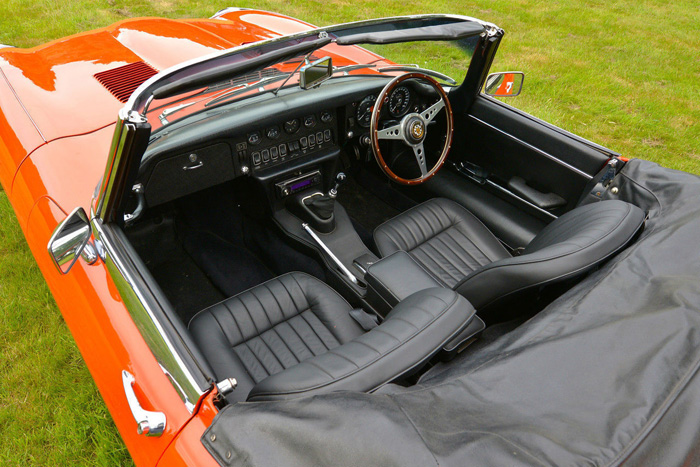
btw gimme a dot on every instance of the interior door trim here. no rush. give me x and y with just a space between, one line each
536 149
521 199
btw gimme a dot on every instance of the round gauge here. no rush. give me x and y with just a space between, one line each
399 101
309 121
254 138
273 133
364 111
292 126
326 116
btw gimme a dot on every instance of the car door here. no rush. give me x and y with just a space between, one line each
132 350
516 172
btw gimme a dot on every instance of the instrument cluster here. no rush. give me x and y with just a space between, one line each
400 101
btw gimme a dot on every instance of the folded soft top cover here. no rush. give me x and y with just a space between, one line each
606 374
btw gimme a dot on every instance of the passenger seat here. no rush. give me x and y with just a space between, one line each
294 336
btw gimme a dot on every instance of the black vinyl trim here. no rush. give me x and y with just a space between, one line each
534 148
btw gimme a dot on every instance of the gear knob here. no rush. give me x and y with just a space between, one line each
339 180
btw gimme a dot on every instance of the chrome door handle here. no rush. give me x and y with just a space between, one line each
148 423
192 167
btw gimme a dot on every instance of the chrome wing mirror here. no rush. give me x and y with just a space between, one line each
504 84
69 240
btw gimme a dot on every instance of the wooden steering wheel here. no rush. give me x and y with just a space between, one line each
412 129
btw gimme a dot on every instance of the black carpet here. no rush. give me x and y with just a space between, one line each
363 206
185 285
230 268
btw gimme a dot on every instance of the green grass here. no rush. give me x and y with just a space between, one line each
50 410
624 74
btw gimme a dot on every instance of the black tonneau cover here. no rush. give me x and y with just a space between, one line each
606 374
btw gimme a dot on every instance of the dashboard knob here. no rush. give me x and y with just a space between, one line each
245 170
365 140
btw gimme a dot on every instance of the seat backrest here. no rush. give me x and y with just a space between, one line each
571 245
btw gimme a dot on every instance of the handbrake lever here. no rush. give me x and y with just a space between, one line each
335 259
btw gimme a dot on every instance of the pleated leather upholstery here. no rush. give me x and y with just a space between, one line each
271 327
457 249
412 332
441 235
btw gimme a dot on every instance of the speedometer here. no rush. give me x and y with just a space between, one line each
399 101
364 111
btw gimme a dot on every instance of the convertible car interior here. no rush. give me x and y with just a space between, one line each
349 235
312 273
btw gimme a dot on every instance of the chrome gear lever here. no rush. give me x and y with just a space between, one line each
339 180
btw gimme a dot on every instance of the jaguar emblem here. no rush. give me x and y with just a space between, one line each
417 129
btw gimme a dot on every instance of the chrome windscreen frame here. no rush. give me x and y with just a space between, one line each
167 347
143 95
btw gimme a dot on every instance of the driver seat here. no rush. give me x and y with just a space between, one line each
462 254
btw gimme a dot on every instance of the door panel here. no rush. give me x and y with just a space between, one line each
512 224
531 171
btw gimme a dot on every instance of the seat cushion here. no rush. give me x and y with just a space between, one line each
443 237
415 330
270 327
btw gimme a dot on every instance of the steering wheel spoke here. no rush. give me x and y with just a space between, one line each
430 113
392 132
419 152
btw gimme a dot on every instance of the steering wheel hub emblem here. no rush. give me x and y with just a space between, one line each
414 129
417 129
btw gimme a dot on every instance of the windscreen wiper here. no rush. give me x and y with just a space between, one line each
358 66
426 71
203 76
243 88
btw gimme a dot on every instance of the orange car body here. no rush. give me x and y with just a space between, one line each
56 126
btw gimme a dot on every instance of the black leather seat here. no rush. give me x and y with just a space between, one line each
461 253
293 336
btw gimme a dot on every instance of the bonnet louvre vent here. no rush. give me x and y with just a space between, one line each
123 81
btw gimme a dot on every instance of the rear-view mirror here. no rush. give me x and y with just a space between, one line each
315 73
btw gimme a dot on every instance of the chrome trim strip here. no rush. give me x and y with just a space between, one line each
537 150
151 329
124 130
22 105
231 9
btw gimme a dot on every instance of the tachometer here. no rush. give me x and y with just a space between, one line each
364 111
399 101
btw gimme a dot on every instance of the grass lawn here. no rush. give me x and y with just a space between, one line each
624 74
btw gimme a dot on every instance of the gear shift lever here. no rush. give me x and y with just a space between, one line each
339 180
317 209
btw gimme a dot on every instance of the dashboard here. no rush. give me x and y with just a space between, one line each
276 140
